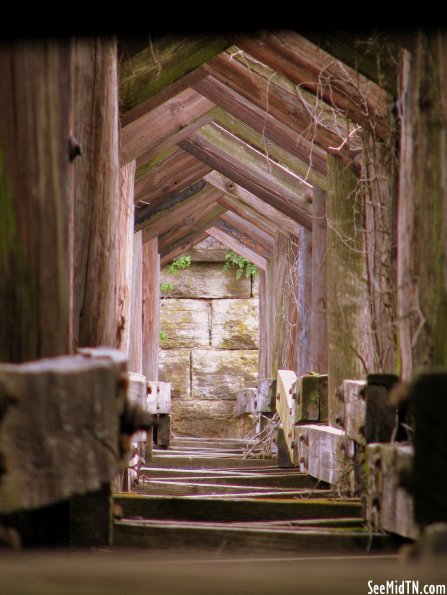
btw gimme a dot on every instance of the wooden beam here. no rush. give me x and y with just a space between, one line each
254 203
34 201
190 228
169 174
296 108
235 245
94 122
136 312
158 65
235 206
243 238
249 168
271 149
158 125
306 65
251 229
188 245
245 110
151 308
125 253
173 216
143 211
303 302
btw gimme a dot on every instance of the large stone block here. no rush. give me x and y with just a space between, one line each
208 419
205 280
186 323
219 374
208 250
235 324
174 367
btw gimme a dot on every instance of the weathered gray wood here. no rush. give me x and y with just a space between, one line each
236 246
194 508
354 419
318 343
136 313
246 401
163 430
125 253
303 303
307 397
389 507
240 232
158 398
266 395
286 408
326 453
151 308
182 248
94 123
49 435
34 201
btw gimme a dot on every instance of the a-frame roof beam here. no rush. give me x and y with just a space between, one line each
243 231
247 167
190 228
164 61
170 118
303 63
235 245
181 248
254 217
264 123
171 173
245 198
296 108
175 215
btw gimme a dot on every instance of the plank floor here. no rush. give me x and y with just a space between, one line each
203 496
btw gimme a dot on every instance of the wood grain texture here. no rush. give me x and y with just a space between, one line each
156 126
249 215
250 169
306 65
303 304
125 253
233 190
286 409
34 201
242 234
56 440
96 193
264 123
151 308
136 312
170 173
234 244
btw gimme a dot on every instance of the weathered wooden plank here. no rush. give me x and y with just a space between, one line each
264 123
354 393
191 227
156 126
254 203
307 397
286 408
277 480
125 253
171 173
96 193
350 336
175 214
271 149
309 67
250 169
34 201
158 65
318 344
151 308
251 229
136 312
326 453
194 508
388 506
246 401
266 395
158 397
237 246
248 214
293 106
301 306
50 433
187 462
182 248
234 229
162 433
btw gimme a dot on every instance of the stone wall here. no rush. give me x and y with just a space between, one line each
210 320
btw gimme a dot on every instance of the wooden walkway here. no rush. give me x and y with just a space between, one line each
203 496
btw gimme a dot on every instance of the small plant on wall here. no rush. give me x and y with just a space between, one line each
241 264
179 264
163 337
